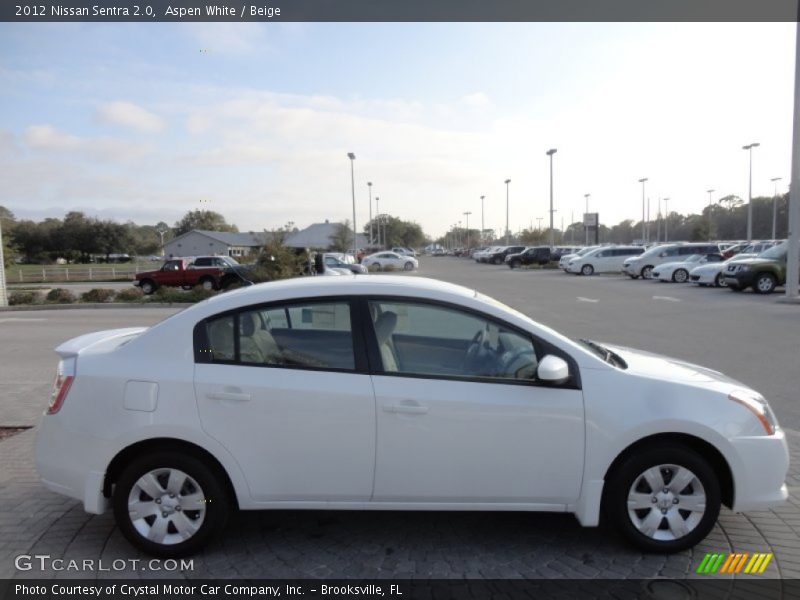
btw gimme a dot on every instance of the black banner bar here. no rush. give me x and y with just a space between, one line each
150 11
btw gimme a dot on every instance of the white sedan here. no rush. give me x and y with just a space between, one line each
389 261
380 393
678 272
711 274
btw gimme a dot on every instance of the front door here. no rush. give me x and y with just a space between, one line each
460 415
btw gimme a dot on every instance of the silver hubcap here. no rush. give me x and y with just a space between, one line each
208 285
666 502
680 276
765 284
647 272
587 270
166 506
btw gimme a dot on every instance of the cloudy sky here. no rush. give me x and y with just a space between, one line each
145 122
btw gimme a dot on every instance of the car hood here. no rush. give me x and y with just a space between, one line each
753 261
657 366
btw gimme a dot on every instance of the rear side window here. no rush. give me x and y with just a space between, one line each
315 335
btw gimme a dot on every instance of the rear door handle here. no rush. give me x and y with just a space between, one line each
406 408
239 397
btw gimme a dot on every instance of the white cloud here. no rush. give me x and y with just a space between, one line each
476 100
48 139
127 114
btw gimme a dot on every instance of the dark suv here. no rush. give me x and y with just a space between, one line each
497 258
535 255
763 273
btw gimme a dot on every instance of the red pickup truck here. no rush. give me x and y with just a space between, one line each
212 273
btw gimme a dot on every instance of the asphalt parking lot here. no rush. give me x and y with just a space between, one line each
749 337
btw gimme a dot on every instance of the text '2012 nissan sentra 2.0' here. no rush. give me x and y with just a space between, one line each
394 393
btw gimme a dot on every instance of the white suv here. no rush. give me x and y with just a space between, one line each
606 259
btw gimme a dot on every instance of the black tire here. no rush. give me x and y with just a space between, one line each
148 286
633 276
497 260
514 264
665 457
647 272
719 281
765 283
587 270
217 504
680 276
409 266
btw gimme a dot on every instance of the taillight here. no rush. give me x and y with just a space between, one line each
60 390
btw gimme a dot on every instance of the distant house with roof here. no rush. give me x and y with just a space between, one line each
215 243
320 235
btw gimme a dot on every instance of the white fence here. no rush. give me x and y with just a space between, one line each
51 274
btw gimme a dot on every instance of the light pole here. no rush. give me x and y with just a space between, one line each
709 212
642 181
539 224
666 219
3 291
749 149
550 154
507 232
162 233
585 226
775 180
467 214
352 158
369 185
377 217
482 228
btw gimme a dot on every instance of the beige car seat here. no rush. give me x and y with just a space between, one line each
384 327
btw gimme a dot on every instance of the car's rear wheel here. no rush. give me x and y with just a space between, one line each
208 284
647 272
719 281
680 276
665 498
765 283
148 286
409 266
170 505
587 270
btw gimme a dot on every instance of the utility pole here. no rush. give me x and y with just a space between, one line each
709 212
371 240
644 237
352 158
585 226
467 214
507 231
550 154
482 228
666 219
775 180
749 149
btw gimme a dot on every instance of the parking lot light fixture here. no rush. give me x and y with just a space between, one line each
644 237
482 228
3 290
467 214
709 212
507 232
749 149
352 158
585 226
775 180
666 219
377 217
369 185
550 154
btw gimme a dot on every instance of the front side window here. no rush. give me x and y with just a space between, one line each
302 335
426 339
173 265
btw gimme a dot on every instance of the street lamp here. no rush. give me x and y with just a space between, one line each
482 228
550 154
369 185
644 238
352 158
507 232
709 213
775 180
467 214
666 219
377 217
749 149
585 226
3 291
162 233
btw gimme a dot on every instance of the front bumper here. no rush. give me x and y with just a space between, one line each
740 279
764 463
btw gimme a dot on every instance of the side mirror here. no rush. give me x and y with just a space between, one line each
553 370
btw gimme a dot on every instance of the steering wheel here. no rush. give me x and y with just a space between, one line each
476 352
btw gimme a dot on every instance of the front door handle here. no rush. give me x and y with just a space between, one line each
409 409
238 397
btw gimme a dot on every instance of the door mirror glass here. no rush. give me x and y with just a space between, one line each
553 370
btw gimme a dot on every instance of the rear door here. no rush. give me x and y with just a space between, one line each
284 387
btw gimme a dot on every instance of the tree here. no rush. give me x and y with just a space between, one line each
342 238
399 232
7 222
202 219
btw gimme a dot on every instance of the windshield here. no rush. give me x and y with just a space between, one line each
695 258
586 250
776 252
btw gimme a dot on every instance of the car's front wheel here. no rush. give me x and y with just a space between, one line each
719 281
587 270
665 498
169 505
409 266
148 286
647 272
680 276
765 283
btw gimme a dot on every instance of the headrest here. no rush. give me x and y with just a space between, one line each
248 323
384 326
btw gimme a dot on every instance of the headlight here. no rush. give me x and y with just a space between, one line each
756 404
